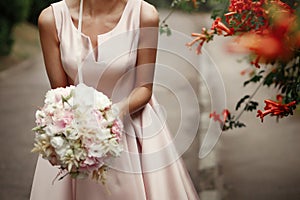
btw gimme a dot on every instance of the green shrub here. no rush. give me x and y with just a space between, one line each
11 13
6 40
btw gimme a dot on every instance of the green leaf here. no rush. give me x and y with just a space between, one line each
164 29
252 105
239 125
254 79
242 100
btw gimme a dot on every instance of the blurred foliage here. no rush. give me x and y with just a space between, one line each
193 6
160 3
185 5
11 12
219 8
36 7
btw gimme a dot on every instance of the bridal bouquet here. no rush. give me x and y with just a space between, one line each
79 129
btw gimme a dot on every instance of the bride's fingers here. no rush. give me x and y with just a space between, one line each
53 160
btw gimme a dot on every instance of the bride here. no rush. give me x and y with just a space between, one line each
117 41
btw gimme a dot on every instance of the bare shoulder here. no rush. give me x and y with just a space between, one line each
149 15
46 19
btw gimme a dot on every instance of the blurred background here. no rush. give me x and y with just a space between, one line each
259 162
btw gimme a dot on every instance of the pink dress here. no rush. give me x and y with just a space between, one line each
149 168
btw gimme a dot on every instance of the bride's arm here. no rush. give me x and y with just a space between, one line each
146 58
50 48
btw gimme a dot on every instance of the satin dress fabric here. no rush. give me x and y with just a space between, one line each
149 168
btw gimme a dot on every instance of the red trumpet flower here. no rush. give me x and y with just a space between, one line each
216 117
276 108
219 27
204 36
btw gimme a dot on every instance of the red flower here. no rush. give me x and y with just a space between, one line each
279 98
204 36
246 15
199 37
216 116
276 108
219 27
276 41
256 62
226 114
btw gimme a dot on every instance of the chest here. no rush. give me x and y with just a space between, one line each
92 27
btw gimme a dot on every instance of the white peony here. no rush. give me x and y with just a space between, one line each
50 97
104 134
101 101
83 97
97 150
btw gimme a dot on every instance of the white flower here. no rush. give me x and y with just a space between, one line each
57 142
50 97
49 109
83 97
70 104
39 114
62 151
52 130
110 116
80 154
42 137
90 161
97 150
40 118
114 147
72 133
103 134
101 101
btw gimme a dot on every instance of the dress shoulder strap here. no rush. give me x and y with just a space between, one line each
133 13
59 12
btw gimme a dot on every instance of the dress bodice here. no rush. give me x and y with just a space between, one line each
113 70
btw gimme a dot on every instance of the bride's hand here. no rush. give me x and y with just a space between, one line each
53 160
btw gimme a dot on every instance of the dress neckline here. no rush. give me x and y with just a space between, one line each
101 34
